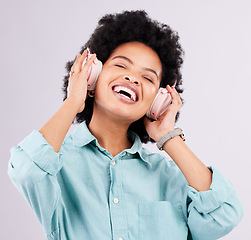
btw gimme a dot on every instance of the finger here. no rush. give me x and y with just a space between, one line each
76 68
74 64
87 64
72 71
175 96
83 57
172 89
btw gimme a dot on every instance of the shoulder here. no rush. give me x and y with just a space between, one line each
159 160
79 137
168 172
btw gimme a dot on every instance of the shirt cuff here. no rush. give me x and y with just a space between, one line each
41 152
207 201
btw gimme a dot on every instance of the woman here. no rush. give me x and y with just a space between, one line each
98 182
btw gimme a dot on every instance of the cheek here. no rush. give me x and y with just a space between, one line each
151 93
103 79
106 76
103 87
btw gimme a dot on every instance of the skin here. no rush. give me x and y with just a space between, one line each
139 66
111 116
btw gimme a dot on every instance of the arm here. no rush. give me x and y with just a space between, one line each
195 172
32 169
213 214
211 204
36 160
55 130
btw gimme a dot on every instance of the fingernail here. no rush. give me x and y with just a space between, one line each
164 91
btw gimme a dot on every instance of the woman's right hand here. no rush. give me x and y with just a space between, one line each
77 86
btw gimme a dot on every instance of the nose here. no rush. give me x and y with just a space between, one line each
130 79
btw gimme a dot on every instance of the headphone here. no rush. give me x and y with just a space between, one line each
160 103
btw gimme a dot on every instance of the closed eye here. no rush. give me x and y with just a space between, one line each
121 66
148 79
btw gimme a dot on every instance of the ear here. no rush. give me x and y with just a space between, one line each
93 73
160 104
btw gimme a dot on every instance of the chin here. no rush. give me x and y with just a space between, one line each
119 109
125 114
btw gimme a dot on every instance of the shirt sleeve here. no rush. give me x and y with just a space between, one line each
32 168
214 213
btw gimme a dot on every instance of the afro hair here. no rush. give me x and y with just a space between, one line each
133 26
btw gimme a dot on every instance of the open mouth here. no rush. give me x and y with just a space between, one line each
126 91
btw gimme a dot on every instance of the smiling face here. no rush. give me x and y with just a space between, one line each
128 82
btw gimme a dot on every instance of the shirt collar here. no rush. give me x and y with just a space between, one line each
82 136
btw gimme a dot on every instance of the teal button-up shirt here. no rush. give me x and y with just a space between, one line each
83 192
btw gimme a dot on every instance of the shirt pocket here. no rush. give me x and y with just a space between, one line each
161 220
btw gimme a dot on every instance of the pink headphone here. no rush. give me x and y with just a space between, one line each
93 72
160 103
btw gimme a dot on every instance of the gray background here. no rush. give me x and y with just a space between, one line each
38 37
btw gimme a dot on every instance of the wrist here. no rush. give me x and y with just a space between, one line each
177 132
77 105
162 133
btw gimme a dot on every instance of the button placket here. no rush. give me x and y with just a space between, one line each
117 206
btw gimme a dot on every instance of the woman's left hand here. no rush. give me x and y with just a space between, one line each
166 121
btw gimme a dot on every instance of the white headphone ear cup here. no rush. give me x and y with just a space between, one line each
149 112
93 74
160 104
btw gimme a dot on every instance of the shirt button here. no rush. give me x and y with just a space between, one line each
115 201
113 162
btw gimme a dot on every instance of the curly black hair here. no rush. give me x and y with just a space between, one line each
133 26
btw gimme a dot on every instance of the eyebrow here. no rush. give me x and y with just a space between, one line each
130 61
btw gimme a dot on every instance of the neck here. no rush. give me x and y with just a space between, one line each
110 133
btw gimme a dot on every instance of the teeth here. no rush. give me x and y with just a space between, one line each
129 91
